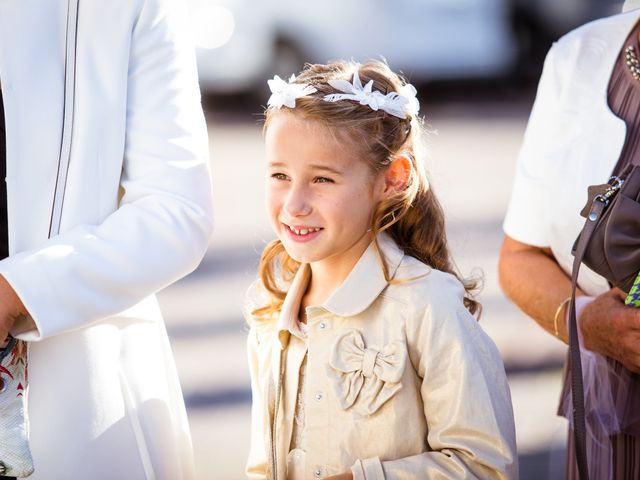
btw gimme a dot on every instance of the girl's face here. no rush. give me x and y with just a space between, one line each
320 195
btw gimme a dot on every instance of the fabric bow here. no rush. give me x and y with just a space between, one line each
367 376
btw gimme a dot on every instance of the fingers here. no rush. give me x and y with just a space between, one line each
618 293
612 329
624 336
630 353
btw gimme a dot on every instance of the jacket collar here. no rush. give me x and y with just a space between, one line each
359 290
288 323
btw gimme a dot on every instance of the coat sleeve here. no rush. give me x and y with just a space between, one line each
256 467
161 228
467 403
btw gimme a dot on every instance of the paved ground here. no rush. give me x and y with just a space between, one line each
472 156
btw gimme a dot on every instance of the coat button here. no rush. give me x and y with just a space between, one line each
319 396
322 325
317 473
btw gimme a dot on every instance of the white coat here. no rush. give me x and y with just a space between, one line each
104 398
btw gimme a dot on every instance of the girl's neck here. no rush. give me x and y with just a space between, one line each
322 284
329 274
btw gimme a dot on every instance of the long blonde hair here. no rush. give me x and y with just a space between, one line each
413 216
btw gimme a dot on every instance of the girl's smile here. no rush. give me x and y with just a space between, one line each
301 233
320 194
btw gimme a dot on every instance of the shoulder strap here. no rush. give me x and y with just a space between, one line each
68 110
577 388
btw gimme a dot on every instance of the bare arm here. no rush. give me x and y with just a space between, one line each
532 279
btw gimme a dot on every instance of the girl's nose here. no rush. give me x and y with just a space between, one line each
297 202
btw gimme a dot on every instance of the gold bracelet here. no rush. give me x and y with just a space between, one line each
555 317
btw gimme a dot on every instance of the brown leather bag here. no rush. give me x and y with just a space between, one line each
609 244
613 249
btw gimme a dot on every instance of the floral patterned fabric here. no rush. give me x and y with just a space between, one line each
15 456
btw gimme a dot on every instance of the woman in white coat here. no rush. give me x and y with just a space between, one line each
104 398
585 120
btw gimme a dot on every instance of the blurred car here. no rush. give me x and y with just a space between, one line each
538 23
240 44
554 18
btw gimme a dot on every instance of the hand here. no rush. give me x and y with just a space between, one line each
342 476
612 329
11 308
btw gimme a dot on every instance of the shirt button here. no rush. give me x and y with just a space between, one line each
319 396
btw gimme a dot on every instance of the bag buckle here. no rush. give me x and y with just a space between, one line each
616 185
616 182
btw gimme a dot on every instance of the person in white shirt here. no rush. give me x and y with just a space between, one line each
104 399
585 120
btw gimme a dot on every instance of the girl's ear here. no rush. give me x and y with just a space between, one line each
398 174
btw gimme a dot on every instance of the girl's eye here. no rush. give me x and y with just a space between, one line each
279 176
323 180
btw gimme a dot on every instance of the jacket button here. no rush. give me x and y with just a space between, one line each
322 326
317 473
319 396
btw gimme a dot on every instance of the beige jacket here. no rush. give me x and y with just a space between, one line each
402 383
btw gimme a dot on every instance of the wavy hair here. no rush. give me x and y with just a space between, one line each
413 216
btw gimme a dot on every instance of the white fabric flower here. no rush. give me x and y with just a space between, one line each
409 92
398 104
355 91
286 93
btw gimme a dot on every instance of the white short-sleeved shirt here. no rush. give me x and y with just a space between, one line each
572 140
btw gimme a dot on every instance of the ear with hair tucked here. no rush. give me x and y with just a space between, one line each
398 174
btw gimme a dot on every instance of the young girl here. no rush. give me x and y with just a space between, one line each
366 361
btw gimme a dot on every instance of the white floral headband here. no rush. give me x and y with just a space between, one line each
398 104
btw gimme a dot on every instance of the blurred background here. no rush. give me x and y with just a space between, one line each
476 64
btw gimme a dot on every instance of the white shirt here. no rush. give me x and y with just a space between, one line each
572 140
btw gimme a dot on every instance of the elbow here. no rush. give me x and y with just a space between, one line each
514 265
203 223
200 235
505 261
191 232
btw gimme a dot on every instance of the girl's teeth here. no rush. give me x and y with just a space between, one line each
304 231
